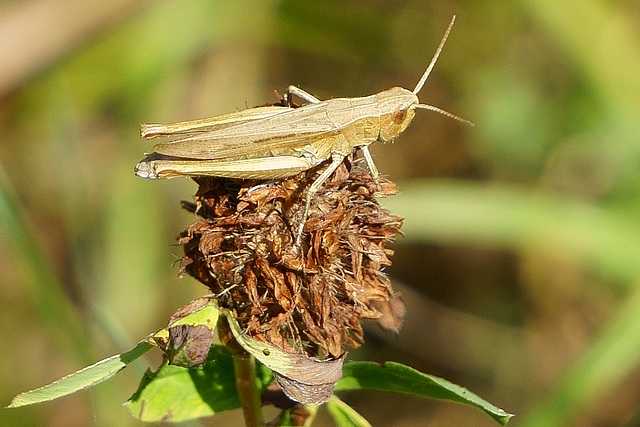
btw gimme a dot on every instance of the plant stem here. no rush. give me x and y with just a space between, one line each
245 369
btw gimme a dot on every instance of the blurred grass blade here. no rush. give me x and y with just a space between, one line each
344 415
398 378
465 213
613 357
84 378
603 41
40 279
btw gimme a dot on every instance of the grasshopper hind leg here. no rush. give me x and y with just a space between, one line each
372 166
302 94
336 159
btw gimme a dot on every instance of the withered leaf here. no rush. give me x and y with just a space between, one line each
302 378
187 338
188 346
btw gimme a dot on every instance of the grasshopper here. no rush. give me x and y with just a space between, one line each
278 141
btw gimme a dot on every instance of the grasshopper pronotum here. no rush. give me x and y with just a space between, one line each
278 142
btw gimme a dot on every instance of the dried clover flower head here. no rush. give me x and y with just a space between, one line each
307 300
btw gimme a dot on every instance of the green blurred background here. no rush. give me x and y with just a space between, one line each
520 263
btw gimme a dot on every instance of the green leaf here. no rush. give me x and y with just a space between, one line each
176 394
344 415
399 378
84 378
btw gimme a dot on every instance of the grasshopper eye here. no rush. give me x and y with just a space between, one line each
399 116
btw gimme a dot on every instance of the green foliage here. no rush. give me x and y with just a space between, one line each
177 394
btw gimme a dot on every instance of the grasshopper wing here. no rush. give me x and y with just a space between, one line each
195 127
266 133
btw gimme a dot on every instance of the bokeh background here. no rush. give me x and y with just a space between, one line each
520 262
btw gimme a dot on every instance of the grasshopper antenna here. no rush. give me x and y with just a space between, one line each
426 75
445 112
435 57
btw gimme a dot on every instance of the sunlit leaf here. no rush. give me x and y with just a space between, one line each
399 378
177 394
84 378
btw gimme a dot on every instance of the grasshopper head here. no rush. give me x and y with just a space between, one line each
397 109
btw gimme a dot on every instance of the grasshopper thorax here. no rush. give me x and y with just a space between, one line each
396 109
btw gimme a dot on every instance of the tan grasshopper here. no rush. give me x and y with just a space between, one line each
278 142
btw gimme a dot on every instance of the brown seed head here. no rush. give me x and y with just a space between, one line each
308 301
